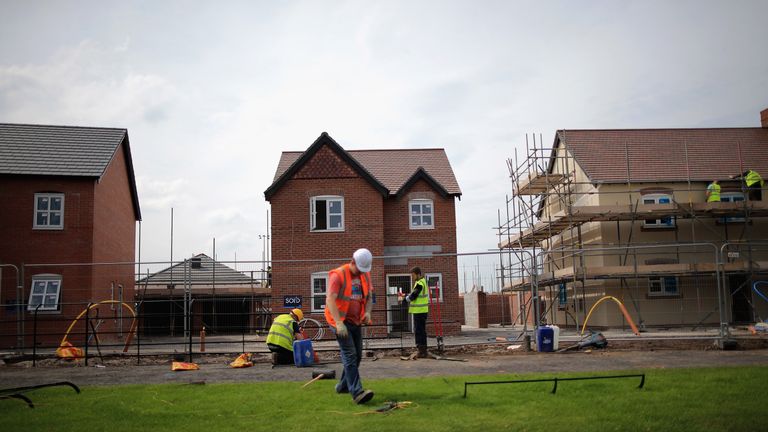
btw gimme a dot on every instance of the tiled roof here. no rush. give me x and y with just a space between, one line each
393 168
204 275
660 155
57 150
71 151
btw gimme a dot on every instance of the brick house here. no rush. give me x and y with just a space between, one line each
327 202
69 197
635 201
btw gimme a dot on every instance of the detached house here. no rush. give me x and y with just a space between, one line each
327 202
623 215
69 200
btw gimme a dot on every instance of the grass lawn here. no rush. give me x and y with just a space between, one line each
702 399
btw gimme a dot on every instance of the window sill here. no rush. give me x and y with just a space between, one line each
327 231
662 296
650 229
44 228
422 228
44 312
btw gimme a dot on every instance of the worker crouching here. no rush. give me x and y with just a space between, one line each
282 333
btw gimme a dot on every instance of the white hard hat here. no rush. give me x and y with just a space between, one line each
363 260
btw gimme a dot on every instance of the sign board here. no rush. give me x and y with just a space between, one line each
733 254
292 301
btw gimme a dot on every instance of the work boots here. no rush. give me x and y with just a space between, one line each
423 353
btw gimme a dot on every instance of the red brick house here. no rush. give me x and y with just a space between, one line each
68 197
327 202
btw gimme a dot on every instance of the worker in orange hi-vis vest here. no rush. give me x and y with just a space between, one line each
348 306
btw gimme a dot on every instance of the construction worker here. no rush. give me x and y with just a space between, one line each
284 330
753 182
348 307
418 306
713 192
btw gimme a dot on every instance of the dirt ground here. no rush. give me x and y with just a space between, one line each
479 359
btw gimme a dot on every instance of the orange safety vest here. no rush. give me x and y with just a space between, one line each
345 296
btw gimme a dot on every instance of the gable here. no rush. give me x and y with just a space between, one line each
325 163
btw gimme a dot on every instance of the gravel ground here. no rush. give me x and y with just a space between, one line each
385 364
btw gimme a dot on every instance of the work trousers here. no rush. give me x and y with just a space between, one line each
420 328
281 356
351 348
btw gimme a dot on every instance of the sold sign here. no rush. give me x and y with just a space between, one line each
292 301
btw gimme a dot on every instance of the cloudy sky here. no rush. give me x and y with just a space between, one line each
212 92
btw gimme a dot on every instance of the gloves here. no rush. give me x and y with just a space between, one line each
341 330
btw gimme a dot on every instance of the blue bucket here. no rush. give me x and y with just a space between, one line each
303 353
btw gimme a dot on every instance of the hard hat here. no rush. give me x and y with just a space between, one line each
363 260
299 314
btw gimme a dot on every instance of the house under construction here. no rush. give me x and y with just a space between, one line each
623 215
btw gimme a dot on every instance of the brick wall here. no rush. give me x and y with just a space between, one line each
398 233
370 221
21 244
114 234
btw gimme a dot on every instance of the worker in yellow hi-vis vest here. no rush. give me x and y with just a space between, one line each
713 191
418 306
754 184
284 330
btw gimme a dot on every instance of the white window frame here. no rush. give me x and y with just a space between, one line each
48 281
732 197
420 215
313 213
48 212
315 294
439 277
668 222
657 286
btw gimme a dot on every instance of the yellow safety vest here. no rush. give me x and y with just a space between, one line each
714 192
281 332
752 178
421 303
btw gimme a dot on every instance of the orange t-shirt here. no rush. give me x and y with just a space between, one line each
355 311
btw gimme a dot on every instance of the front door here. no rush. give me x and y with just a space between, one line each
398 319
741 307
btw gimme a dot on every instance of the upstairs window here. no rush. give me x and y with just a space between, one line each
327 213
45 292
732 197
421 214
667 222
49 211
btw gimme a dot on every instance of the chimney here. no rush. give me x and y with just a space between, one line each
195 262
764 118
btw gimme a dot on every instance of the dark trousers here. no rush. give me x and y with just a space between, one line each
420 328
281 356
351 348
755 192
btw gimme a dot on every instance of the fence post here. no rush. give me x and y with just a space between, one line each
34 337
87 318
189 317
138 332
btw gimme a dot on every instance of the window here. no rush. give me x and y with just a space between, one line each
562 296
663 286
732 197
421 213
435 284
667 222
49 211
319 289
327 213
46 289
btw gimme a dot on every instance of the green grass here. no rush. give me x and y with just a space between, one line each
714 399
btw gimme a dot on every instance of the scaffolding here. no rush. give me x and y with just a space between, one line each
679 250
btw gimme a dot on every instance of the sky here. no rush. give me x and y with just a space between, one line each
212 92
